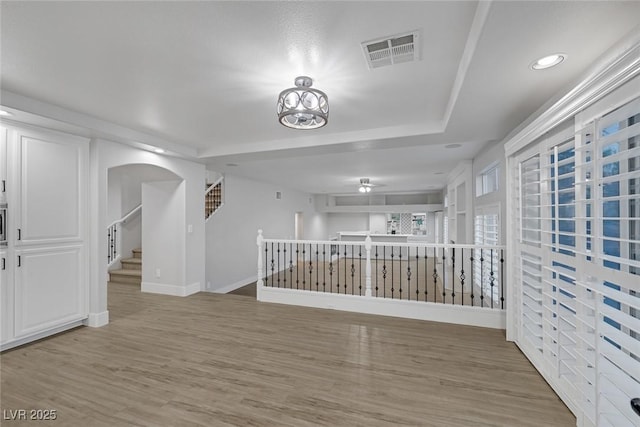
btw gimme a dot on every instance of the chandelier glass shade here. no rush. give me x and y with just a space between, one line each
301 107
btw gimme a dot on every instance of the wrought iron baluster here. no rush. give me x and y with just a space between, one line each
304 263
392 285
417 275
408 273
453 275
353 269
273 265
384 271
310 267
360 270
324 268
376 270
435 274
444 276
278 262
502 279
462 276
297 265
110 245
491 276
400 272
345 269
481 278
284 273
317 269
338 267
426 277
266 274
291 265
472 274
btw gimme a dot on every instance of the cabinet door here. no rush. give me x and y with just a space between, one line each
6 300
49 289
3 164
52 183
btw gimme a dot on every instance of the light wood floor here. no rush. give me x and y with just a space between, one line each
216 360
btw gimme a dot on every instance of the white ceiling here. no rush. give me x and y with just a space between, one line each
206 75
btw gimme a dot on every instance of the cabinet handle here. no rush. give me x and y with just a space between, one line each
4 263
4 186
19 261
19 234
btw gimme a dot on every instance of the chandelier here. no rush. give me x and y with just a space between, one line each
301 107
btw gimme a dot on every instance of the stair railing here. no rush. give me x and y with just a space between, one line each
213 198
114 242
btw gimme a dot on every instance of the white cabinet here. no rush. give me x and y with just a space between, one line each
3 164
6 298
49 288
44 285
49 189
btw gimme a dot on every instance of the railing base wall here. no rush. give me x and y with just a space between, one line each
456 314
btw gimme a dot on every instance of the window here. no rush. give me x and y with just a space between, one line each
487 260
488 180
576 267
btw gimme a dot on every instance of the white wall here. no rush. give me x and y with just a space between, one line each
485 159
377 223
105 155
431 227
125 193
231 251
337 222
163 224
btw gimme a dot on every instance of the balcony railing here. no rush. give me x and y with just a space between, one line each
354 275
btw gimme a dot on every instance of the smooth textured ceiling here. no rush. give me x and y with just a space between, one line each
207 75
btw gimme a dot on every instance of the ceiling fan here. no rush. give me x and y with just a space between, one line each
365 185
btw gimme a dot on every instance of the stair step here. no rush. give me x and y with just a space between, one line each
126 276
137 253
131 264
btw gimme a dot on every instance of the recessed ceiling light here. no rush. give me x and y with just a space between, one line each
158 150
5 113
548 61
232 165
438 173
453 146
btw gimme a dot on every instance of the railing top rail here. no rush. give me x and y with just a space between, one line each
127 216
380 243
212 186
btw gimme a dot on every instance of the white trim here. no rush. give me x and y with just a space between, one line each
620 65
174 290
234 286
475 32
460 315
87 126
40 335
96 320
193 288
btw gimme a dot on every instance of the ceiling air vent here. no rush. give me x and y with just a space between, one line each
392 50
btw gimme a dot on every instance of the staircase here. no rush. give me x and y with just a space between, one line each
131 271
213 199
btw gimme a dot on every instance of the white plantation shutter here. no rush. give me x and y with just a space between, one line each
529 257
487 234
617 199
577 217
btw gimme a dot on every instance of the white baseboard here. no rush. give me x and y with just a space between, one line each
457 314
96 320
193 288
234 286
52 331
174 290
